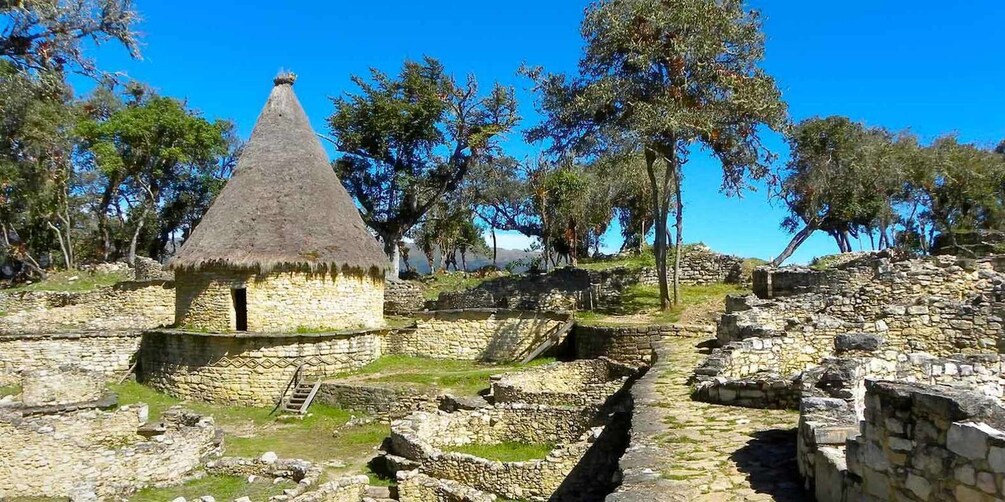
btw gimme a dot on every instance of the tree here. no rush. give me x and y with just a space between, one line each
406 141
842 178
48 35
153 149
657 79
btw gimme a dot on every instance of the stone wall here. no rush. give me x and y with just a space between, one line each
107 353
280 301
699 265
126 305
301 472
46 387
414 486
628 343
248 369
589 382
375 399
426 438
565 288
98 453
403 297
936 305
482 334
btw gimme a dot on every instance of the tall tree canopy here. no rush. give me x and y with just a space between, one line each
659 78
408 140
49 35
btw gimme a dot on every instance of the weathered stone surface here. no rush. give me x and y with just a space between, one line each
864 342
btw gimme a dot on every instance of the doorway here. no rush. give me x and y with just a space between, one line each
240 308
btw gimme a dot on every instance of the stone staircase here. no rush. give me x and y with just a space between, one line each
300 398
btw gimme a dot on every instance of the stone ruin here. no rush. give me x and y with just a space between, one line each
66 437
895 365
580 407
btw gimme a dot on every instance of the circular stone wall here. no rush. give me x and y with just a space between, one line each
247 369
279 301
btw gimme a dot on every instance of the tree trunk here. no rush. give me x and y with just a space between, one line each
679 224
660 221
796 241
495 249
393 256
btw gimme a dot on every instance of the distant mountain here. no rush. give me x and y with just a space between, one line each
417 260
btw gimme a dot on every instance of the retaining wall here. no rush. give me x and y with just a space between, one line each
108 353
248 369
632 344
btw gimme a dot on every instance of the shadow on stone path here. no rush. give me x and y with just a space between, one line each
769 461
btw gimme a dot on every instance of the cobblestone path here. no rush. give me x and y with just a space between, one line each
721 453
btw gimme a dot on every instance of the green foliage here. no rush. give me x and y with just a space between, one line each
509 451
406 141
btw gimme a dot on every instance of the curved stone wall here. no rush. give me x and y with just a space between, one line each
107 353
280 301
247 369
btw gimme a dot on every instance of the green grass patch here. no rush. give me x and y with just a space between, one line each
220 487
10 390
459 377
450 282
250 432
645 300
81 281
509 451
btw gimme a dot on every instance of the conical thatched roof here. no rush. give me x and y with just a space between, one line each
284 205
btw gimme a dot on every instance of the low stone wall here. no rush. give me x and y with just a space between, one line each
423 437
565 288
631 344
579 383
346 489
98 454
480 334
301 472
107 353
248 369
123 306
414 486
390 401
403 297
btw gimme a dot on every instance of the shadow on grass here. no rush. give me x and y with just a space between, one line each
769 462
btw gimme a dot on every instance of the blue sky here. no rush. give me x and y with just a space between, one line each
931 66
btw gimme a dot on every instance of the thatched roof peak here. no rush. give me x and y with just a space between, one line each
284 205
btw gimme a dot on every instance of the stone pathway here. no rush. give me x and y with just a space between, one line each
708 452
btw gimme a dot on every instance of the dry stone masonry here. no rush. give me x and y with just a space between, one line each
107 353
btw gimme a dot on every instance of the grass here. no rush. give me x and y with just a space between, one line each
644 302
509 451
250 432
449 283
10 390
460 377
220 487
85 281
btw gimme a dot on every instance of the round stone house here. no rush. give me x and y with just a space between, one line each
283 248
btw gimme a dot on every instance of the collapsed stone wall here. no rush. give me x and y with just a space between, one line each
98 452
403 297
482 334
565 288
629 343
303 473
107 353
248 369
123 306
937 305
414 486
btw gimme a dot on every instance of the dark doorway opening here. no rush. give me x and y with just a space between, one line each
241 308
